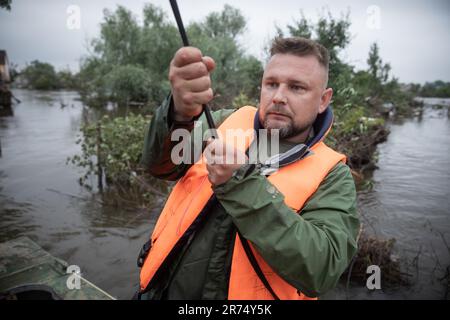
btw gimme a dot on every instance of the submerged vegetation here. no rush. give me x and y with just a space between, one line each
111 150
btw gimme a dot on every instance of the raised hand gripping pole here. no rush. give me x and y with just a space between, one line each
177 15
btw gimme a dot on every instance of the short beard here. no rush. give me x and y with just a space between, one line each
288 130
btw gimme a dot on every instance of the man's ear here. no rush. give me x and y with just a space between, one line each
325 99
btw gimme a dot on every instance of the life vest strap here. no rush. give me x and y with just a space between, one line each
255 265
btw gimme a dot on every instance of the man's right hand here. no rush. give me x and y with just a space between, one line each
190 82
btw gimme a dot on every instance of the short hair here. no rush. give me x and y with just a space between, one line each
301 47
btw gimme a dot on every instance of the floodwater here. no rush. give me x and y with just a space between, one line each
410 202
41 198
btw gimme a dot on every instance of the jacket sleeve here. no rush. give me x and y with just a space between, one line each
158 145
309 250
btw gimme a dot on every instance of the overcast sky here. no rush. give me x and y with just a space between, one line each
413 35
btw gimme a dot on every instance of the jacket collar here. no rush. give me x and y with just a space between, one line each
321 127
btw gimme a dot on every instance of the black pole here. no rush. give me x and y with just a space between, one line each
177 15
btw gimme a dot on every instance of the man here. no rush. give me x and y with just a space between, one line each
233 230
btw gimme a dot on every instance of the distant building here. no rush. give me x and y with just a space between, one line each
5 79
4 67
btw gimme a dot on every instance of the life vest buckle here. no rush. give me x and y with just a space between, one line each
144 253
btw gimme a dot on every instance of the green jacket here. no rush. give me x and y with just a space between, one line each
309 250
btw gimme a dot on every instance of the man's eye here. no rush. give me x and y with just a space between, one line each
272 84
296 88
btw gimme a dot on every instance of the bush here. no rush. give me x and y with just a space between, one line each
128 83
114 144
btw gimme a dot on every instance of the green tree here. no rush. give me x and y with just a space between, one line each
40 76
158 43
438 89
116 49
6 4
67 79
119 37
331 32
378 70
93 85
226 24
130 61
13 71
236 73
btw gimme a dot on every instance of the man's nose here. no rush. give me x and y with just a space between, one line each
280 96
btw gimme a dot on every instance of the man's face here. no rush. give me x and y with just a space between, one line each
292 95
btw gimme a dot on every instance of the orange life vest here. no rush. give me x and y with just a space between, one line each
296 181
